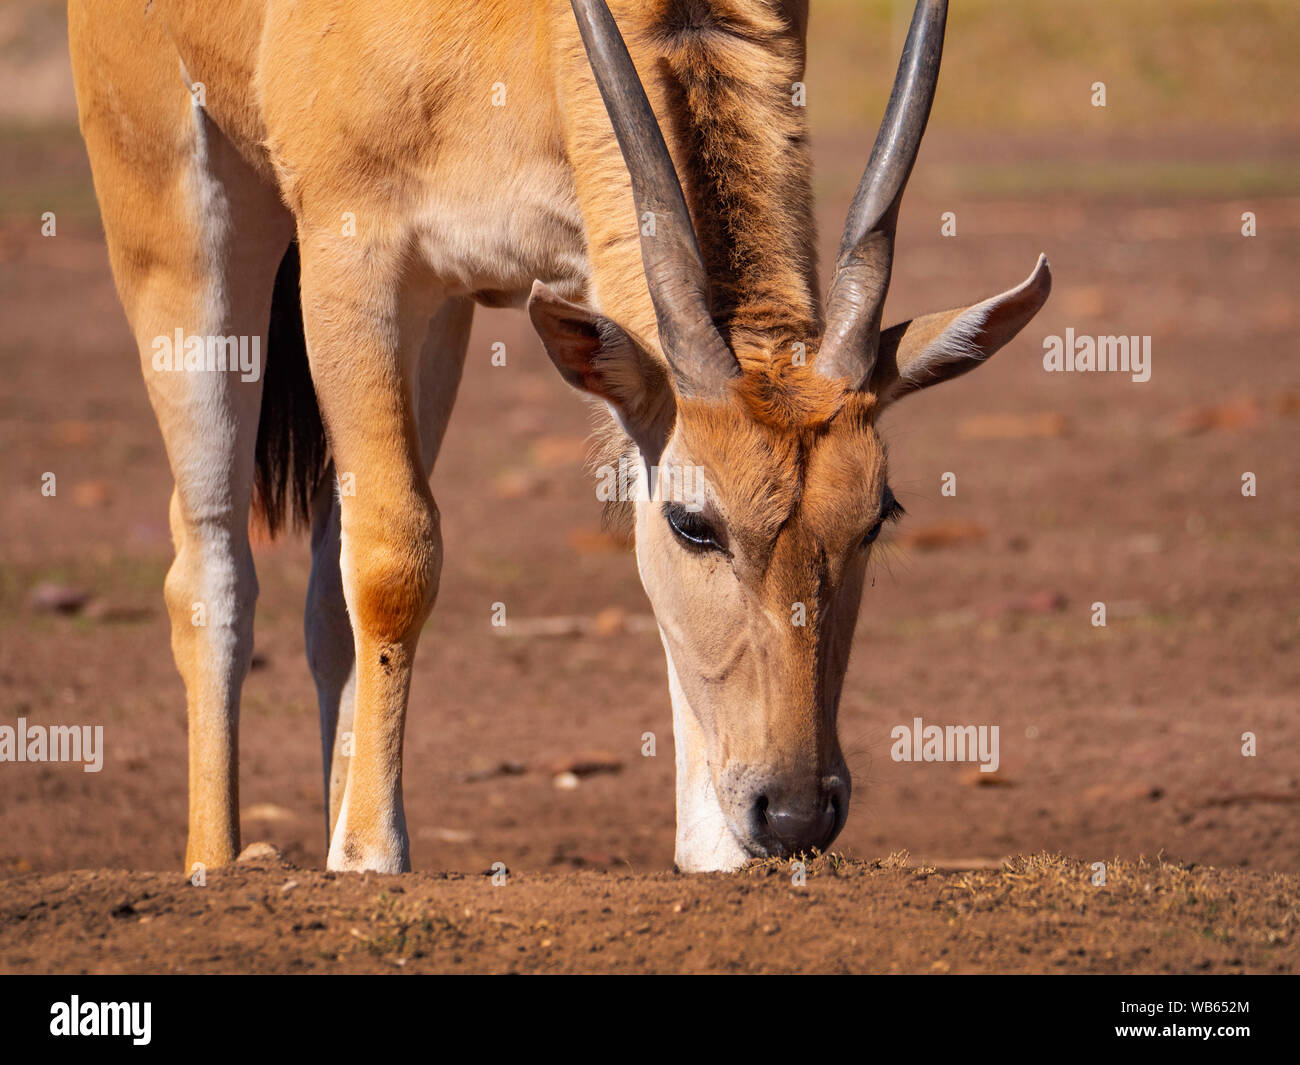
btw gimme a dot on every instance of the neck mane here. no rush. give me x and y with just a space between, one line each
721 77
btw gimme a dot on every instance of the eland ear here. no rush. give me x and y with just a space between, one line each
937 347
597 356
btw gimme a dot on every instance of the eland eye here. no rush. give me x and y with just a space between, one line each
890 510
691 529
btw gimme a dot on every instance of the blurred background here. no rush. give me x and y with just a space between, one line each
1071 490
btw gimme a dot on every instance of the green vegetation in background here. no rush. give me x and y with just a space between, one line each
1129 179
1024 66
1030 64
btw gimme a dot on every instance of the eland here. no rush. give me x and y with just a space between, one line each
337 183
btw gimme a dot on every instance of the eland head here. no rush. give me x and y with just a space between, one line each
755 571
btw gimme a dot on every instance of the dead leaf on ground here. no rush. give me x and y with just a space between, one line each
1240 413
1034 603
610 621
1287 403
73 433
943 534
977 778
1013 426
91 494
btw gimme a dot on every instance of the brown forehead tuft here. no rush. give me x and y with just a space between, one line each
781 392
758 445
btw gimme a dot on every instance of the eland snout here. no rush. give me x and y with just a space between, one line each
794 816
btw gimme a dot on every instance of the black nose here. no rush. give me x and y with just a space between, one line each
794 821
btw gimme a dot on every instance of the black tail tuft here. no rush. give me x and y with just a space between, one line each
292 454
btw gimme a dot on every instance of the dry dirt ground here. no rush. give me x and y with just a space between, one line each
1039 914
1117 742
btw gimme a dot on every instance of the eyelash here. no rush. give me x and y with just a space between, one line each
890 510
691 529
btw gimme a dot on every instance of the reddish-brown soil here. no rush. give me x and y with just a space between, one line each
1042 914
1116 742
